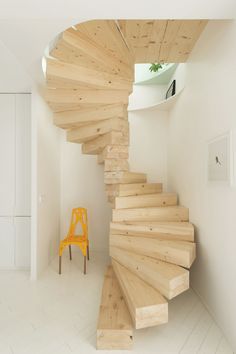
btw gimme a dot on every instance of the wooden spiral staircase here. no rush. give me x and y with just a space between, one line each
90 74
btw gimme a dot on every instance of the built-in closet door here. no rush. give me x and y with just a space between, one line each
7 243
7 154
23 155
22 242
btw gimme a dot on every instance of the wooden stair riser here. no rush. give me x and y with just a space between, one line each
94 130
174 231
175 252
169 279
172 213
150 200
114 329
116 165
96 146
114 152
133 189
124 177
69 119
79 75
146 305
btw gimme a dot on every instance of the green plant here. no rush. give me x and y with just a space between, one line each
155 67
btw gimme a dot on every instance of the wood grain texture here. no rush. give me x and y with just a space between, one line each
176 252
97 145
114 329
124 177
143 201
169 279
133 189
175 231
146 305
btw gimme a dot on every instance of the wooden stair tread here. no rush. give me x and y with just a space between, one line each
179 231
133 189
124 177
95 146
181 253
169 279
146 200
113 152
94 130
146 305
168 213
114 329
116 165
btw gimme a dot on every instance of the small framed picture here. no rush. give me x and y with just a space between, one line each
171 90
220 159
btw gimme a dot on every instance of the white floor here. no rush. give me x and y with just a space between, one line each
58 315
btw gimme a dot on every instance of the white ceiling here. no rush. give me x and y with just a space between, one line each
27 26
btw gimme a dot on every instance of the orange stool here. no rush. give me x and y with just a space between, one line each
79 215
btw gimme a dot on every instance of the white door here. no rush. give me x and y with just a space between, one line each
7 154
23 155
22 242
7 243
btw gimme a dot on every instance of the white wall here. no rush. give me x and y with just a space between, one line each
148 144
82 185
46 186
146 95
206 109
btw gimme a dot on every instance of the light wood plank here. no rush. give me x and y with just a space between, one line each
146 305
175 231
143 201
176 252
69 119
116 165
170 213
124 177
94 130
79 75
114 329
133 189
114 152
80 97
169 279
96 145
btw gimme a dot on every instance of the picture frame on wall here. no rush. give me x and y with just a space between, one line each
171 90
220 166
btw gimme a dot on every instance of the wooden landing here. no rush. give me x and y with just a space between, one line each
114 329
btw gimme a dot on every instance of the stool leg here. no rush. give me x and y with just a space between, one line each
70 252
88 252
59 264
84 264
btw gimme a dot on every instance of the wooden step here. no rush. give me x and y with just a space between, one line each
77 48
124 177
181 253
67 98
94 130
113 152
114 329
79 75
132 189
116 165
70 119
107 35
175 231
169 279
146 200
96 145
146 305
169 213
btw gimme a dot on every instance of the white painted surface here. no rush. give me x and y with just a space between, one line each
7 155
146 95
23 155
58 314
46 186
206 109
148 144
82 185
22 242
7 243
